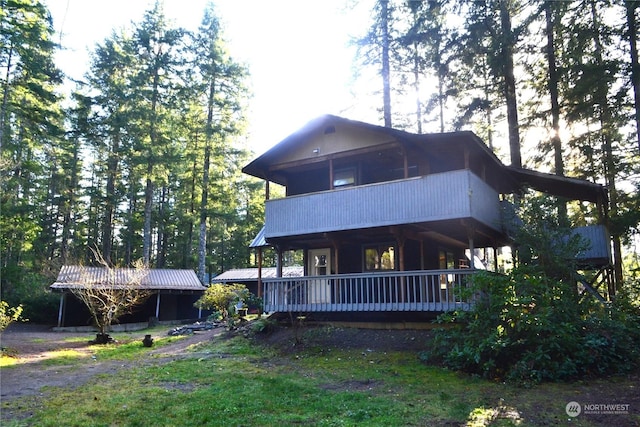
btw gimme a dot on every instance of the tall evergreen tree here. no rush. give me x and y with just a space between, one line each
632 8
30 125
156 44
220 87
376 49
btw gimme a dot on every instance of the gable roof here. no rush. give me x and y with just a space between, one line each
322 125
74 276
512 179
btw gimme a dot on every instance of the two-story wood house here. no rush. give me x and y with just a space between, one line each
390 221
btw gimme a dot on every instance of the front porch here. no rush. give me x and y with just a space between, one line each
394 291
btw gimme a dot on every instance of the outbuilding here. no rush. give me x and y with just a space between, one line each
173 293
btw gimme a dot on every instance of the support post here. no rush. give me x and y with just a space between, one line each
279 262
60 310
259 272
158 305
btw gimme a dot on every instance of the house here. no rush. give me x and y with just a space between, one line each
173 293
390 221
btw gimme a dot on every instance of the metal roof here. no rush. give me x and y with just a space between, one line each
570 188
251 274
74 276
259 241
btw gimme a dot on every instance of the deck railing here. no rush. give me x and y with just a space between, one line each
428 290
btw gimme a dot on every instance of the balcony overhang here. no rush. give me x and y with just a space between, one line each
455 205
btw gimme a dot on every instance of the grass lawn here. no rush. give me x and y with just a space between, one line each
240 382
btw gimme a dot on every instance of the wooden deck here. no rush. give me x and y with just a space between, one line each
412 291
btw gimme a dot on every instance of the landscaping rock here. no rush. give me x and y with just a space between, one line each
190 329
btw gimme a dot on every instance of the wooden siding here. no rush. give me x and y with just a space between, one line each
443 196
425 291
599 250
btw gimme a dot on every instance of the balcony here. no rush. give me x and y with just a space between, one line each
411 291
452 195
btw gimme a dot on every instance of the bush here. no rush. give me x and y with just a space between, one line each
527 328
8 314
223 299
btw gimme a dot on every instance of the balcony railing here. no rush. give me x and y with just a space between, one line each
442 196
430 290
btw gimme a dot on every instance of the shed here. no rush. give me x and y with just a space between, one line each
174 293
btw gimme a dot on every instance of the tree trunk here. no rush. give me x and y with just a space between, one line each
386 72
606 123
632 29
416 85
555 104
202 238
148 193
109 209
510 85
70 207
5 95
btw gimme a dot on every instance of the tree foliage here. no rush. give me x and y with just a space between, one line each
547 84
532 325
8 314
223 298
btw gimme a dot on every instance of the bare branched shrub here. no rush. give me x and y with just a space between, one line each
109 292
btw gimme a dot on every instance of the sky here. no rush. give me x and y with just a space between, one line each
297 52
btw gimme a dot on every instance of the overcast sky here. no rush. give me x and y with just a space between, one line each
297 51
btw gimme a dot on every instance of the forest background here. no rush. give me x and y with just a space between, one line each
142 158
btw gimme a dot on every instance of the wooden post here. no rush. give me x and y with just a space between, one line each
60 310
158 305
406 163
400 239
471 252
260 272
330 174
266 190
279 262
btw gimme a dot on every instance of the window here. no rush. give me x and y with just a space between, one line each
379 257
344 177
447 262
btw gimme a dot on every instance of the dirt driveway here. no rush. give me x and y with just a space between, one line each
35 343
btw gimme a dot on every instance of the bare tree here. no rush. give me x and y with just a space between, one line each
109 292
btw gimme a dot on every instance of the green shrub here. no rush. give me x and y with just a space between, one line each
527 328
8 314
223 299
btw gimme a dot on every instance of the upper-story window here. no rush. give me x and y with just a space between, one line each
344 177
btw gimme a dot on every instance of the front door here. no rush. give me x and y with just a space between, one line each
319 265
